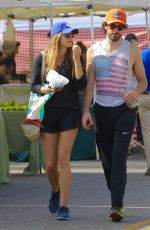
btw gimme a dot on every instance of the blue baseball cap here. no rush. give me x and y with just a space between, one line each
63 28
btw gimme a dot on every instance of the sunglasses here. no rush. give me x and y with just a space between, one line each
69 35
113 26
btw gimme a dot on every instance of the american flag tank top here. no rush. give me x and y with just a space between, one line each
113 74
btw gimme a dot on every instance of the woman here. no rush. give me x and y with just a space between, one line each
62 116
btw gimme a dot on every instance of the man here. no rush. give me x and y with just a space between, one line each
110 66
144 109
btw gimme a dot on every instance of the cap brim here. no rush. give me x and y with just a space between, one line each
114 21
70 30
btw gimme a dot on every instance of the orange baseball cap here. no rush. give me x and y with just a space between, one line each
115 15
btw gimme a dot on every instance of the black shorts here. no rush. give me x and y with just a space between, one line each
60 119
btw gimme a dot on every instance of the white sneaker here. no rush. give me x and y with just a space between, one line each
147 173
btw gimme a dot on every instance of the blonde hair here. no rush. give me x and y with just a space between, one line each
52 53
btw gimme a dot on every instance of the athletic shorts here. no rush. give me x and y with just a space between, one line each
60 119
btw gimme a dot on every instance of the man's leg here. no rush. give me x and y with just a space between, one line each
123 128
104 139
105 150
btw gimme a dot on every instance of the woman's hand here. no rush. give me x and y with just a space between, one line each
76 53
87 120
53 90
45 90
76 58
48 89
59 89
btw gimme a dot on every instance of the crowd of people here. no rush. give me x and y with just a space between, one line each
118 75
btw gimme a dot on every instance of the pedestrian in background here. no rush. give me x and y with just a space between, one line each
131 37
10 49
62 117
3 71
137 137
144 109
110 66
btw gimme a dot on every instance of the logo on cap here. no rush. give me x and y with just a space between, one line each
65 26
117 15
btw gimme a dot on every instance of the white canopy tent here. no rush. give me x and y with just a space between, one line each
23 9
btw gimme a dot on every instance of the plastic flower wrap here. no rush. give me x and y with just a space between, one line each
56 80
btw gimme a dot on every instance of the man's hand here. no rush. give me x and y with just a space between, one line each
130 96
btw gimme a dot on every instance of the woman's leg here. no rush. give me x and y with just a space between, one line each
65 144
50 145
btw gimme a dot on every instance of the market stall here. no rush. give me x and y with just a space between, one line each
12 139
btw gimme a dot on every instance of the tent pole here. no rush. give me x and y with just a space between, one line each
147 26
31 42
90 7
51 14
1 33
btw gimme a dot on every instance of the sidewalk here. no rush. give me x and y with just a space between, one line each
135 164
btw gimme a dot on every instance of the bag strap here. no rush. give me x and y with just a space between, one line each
43 66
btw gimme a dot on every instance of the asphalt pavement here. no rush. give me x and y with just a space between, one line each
24 200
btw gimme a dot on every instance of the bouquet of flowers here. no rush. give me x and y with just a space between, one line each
35 112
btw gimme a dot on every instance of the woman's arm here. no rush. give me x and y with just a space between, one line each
80 81
36 84
88 92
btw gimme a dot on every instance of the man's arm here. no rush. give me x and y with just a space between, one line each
88 92
139 70
135 59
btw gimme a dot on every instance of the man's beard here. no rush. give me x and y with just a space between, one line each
114 37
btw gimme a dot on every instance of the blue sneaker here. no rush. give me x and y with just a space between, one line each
54 202
63 213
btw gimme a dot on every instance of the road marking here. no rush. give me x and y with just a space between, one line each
132 227
143 225
91 171
84 167
73 205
